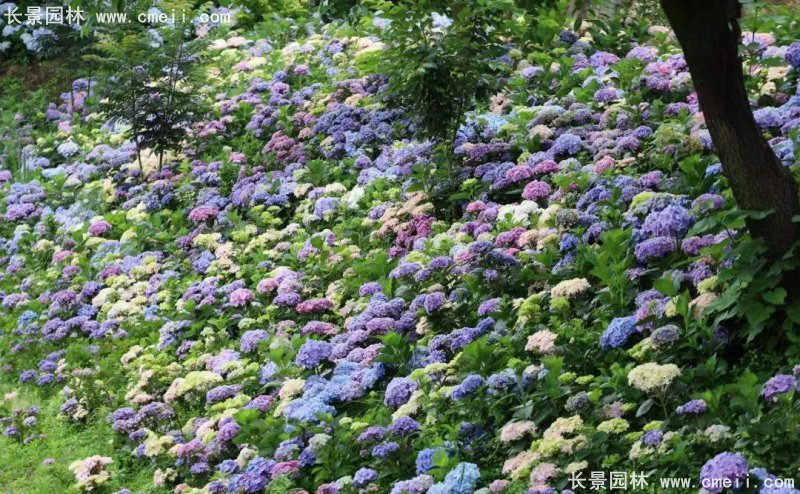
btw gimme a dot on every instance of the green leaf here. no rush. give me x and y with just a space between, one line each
757 215
776 296
793 313
246 416
758 313
644 407
665 286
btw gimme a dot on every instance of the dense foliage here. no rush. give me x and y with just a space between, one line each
290 300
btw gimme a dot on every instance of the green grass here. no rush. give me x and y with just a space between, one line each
22 470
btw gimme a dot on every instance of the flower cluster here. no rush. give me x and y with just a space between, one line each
301 303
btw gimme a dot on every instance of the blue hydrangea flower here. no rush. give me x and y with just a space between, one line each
463 478
364 476
618 332
467 386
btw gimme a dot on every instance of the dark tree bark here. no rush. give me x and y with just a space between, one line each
709 33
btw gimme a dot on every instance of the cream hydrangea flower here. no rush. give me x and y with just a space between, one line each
652 377
157 445
517 430
91 472
411 407
517 466
563 426
613 426
291 387
570 288
542 131
699 304
195 380
576 466
520 213
555 439
541 342
161 477
717 432
548 214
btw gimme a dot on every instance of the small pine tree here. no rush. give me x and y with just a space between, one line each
151 86
441 55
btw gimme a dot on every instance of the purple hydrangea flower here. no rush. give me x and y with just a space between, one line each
665 335
313 353
418 485
725 467
692 407
536 190
404 426
672 221
488 306
369 289
240 297
399 391
652 438
372 434
768 117
250 340
502 382
654 248
569 144
424 462
383 450
221 393
777 385
793 55
434 301
606 95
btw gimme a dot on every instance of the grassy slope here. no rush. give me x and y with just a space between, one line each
22 470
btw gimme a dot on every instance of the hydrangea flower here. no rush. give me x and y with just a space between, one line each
652 377
793 55
462 479
655 248
730 467
313 353
67 149
618 332
467 386
777 385
399 391
364 476
692 407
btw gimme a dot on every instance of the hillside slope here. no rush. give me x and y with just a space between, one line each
296 302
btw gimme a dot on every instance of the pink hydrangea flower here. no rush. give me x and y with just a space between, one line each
240 297
314 305
99 227
203 213
61 255
284 467
536 190
603 164
498 485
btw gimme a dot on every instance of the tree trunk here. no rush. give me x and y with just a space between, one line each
709 33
